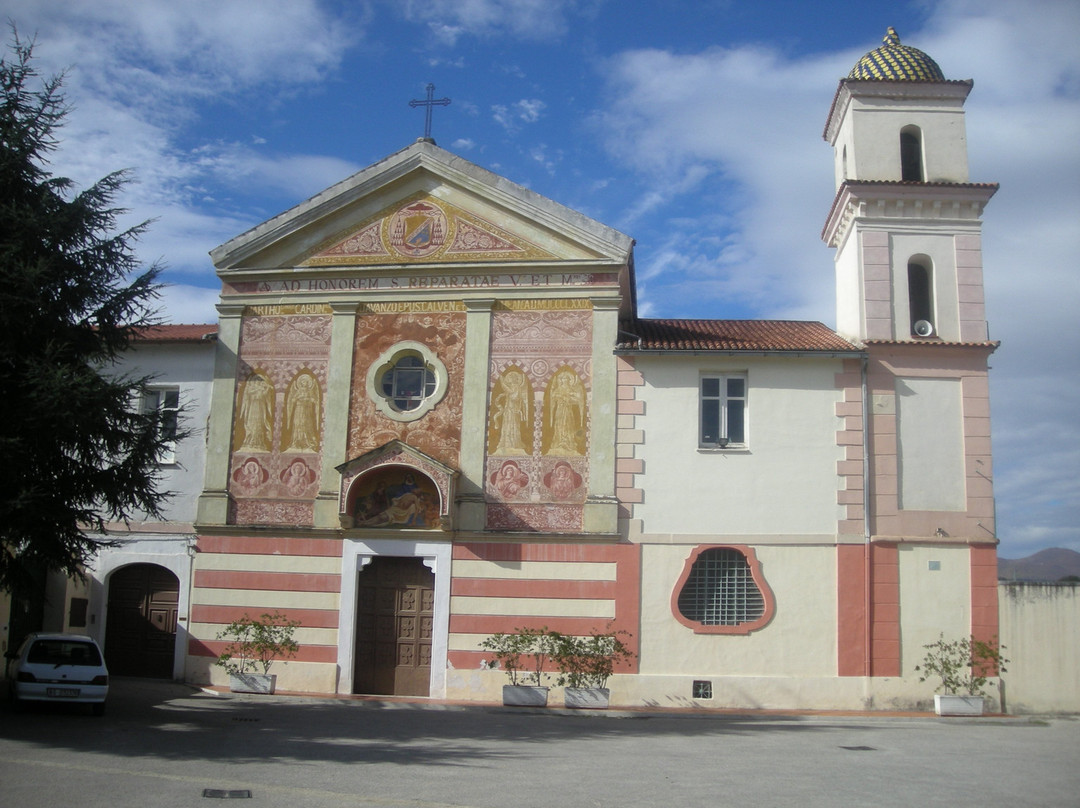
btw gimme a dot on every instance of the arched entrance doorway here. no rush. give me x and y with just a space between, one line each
395 609
140 632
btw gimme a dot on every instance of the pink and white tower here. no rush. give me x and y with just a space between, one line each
906 225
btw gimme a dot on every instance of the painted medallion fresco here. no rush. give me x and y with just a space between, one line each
536 474
278 424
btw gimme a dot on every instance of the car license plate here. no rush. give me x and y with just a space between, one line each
62 692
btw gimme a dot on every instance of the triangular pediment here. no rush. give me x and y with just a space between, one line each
425 230
423 206
396 452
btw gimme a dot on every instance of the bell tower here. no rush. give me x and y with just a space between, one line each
906 221
906 225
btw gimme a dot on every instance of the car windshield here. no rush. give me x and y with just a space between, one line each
64 652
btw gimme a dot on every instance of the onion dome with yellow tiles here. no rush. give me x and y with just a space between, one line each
896 62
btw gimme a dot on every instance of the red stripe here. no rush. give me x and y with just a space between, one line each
275 581
505 551
984 593
307 653
309 618
260 545
467 660
851 615
502 588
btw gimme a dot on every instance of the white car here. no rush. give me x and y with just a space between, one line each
59 668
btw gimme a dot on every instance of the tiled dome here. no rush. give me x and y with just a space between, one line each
896 62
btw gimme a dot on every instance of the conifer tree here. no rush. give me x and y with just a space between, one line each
76 452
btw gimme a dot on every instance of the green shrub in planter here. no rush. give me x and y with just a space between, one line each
588 662
523 654
257 643
963 666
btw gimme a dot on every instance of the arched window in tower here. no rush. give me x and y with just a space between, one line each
921 296
911 154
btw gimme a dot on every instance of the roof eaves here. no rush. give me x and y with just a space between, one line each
937 343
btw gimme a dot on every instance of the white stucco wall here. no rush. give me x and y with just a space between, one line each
935 599
784 483
800 640
871 133
850 294
191 367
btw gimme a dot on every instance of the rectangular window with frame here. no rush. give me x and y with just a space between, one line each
723 411
165 401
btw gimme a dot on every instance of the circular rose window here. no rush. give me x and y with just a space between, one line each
407 381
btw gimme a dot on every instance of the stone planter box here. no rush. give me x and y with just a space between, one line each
952 704
252 682
524 696
586 698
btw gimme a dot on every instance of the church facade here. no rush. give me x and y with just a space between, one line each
436 415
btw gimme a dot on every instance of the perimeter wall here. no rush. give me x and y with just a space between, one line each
1040 629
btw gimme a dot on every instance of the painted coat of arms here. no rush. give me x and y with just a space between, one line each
418 229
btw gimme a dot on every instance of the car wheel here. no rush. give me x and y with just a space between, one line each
98 709
16 704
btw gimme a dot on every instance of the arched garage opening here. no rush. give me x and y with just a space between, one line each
140 633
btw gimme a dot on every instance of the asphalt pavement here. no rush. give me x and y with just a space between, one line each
168 744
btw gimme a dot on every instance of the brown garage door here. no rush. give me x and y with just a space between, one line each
140 634
394 613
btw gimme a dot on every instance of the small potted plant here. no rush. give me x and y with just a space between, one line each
586 663
254 645
522 654
964 666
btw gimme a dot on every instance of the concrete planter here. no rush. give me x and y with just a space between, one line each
953 704
524 696
586 698
252 682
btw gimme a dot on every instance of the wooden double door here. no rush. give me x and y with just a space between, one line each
395 611
140 628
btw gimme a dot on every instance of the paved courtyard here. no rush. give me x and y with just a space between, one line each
164 744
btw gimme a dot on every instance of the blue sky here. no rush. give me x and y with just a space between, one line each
694 127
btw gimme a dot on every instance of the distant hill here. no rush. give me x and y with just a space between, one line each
1046 565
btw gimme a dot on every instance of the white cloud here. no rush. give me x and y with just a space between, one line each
522 19
543 156
136 75
734 132
529 109
190 304
297 175
190 49
525 111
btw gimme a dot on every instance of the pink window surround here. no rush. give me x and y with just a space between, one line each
755 573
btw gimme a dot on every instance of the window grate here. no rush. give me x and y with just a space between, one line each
702 689
720 590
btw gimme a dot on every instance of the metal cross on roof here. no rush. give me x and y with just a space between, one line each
429 102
